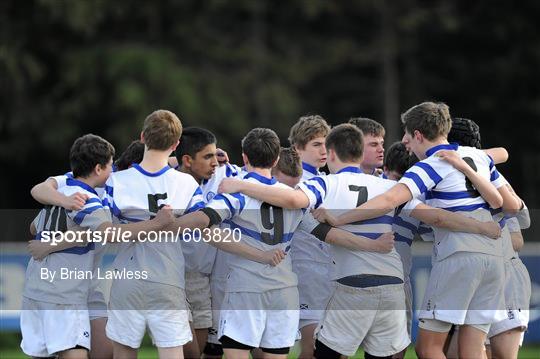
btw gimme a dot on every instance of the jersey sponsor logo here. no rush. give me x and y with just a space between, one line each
209 196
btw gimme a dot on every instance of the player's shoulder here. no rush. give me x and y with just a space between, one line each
75 186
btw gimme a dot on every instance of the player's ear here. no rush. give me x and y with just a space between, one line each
186 161
245 159
274 164
418 136
142 137
173 147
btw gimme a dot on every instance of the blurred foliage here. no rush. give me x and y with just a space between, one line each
72 67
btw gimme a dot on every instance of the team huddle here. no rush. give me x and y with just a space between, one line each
276 251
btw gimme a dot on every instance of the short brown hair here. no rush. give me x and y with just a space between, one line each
261 147
289 162
348 142
368 126
161 130
431 119
88 151
306 129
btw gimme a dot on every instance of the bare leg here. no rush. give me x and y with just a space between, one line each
171 353
274 356
73 354
257 353
430 344
121 351
307 343
202 336
101 347
471 342
191 349
236 353
506 344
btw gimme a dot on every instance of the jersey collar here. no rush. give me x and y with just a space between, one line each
77 183
446 146
151 174
260 178
350 169
311 169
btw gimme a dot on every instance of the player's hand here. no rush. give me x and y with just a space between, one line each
222 157
324 216
384 243
274 256
454 159
75 202
165 216
491 229
38 250
230 185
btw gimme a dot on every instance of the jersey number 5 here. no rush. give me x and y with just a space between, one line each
277 225
152 203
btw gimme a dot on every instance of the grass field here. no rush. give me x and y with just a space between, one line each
9 349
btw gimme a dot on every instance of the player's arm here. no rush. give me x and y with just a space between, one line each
338 237
486 189
498 154
437 217
164 217
47 193
517 240
375 207
345 239
39 249
276 196
272 257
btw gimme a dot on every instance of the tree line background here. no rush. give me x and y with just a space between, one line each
72 67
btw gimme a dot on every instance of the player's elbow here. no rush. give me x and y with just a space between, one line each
496 202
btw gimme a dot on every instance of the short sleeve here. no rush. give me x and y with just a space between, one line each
228 205
424 175
315 189
92 215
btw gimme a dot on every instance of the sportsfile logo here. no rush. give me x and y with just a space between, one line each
116 235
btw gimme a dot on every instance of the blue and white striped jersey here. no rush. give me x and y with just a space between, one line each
264 227
305 247
346 190
200 256
446 187
136 195
66 290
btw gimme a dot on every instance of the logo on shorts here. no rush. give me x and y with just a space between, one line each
212 331
510 314
86 334
304 306
428 305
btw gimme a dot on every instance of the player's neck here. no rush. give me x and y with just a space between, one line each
89 181
367 169
338 166
186 170
153 160
265 172
427 145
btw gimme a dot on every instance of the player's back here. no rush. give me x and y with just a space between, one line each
446 187
73 267
261 226
342 192
136 195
